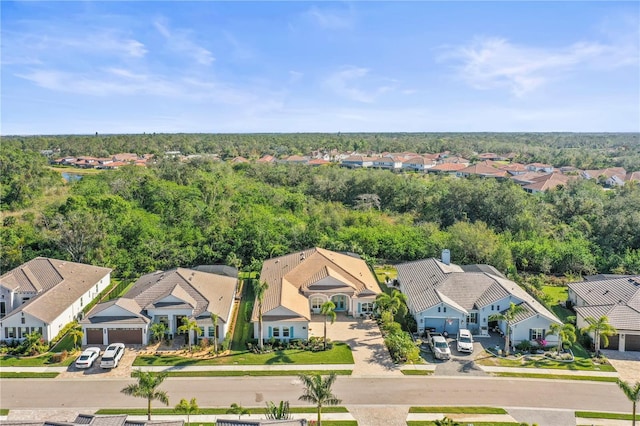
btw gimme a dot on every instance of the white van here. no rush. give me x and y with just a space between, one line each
464 341
112 355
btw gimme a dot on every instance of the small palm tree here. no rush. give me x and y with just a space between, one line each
214 320
237 409
147 385
187 326
278 412
601 330
317 390
394 302
328 310
188 408
259 288
566 334
446 421
633 393
508 316
77 335
158 329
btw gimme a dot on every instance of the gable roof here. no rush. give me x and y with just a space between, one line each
429 282
290 275
128 310
484 168
54 285
549 181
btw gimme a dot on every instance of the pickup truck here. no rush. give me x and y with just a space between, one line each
439 346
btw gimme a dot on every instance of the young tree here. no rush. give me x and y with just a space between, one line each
237 409
189 325
566 334
328 310
158 329
601 329
394 302
188 408
317 390
633 393
508 316
76 334
148 382
259 288
278 412
214 320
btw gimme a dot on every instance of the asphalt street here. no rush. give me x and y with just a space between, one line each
89 393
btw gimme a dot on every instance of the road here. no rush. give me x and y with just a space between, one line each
90 393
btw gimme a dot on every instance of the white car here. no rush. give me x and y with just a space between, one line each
87 357
464 341
112 355
440 347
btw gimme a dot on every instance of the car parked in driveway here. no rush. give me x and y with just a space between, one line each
439 346
112 355
87 357
464 341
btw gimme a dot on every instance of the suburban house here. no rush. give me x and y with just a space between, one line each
166 297
299 283
482 169
446 297
94 420
618 299
43 295
418 164
548 181
357 161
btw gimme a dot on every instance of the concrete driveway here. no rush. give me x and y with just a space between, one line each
123 370
626 363
363 336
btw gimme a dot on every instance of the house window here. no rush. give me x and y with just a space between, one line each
497 307
211 334
285 332
472 318
276 331
22 320
366 307
316 303
81 302
3 309
10 332
164 319
439 308
202 331
492 307
536 333
444 309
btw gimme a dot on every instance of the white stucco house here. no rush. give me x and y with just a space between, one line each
166 297
43 295
614 297
446 297
299 283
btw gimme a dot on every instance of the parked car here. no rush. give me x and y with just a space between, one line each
87 357
112 355
439 346
464 341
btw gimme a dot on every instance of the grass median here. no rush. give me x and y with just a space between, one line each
216 411
608 416
27 375
458 410
254 373
558 377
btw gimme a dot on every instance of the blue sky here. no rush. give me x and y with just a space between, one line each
141 66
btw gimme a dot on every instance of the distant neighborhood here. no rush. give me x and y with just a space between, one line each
533 177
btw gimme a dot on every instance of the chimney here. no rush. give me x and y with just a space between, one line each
446 256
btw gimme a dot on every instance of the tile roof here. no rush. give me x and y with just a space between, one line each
289 276
130 313
550 181
56 284
484 168
447 167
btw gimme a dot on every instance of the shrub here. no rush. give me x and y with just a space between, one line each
525 345
59 357
204 343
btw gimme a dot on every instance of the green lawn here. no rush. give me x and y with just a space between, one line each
581 363
558 377
65 344
216 411
243 331
458 410
12 375
40 361
417 372
221 373
600 415
4 411
339 354
382 272
558 295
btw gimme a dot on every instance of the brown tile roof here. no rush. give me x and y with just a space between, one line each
447 167
56 284
549 181
633 176
484 168
290 275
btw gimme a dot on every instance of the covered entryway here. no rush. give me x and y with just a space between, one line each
340 300
632 342
132 336
94 336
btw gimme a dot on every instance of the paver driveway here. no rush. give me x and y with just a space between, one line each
370 355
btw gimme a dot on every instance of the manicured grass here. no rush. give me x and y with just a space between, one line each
65 344
558 295
21 375
430 423
558 377
382 272
216 411
458 410
4 411
243 330
600 415
339 354
254 373
417 372
40 361
580 363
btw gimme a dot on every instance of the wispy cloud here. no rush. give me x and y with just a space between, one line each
488 63
180 41
356 84
332 19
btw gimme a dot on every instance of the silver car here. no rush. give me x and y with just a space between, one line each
112 355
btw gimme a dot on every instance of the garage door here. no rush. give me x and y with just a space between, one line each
613 342
94 336
632 342
132 336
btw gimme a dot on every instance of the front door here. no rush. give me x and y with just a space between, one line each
340 301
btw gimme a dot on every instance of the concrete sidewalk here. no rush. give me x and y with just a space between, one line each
553 371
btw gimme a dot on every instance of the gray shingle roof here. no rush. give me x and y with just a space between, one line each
622 317
607 291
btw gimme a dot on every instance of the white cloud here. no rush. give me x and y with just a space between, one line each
332 19
180 41
354 83
488 63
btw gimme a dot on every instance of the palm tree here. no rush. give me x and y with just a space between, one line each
566 334
76 334
508 316
259 288
158 329
394 302
188 408
278 412
317 390
147 385
214 320
328 310
446 421
187 326
633 393
601 330
237 409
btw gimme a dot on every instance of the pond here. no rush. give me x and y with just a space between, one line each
71 177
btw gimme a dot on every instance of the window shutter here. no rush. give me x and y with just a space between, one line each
270 332
530 334
359 307
291 332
